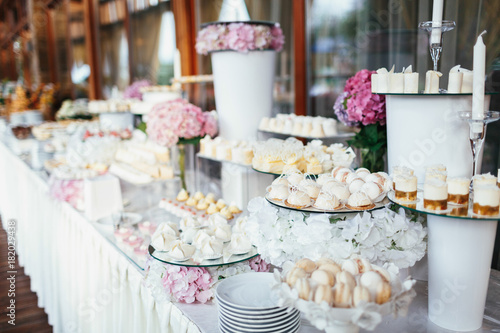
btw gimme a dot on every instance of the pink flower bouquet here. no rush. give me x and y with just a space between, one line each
241 37
134 90
176 121
357 105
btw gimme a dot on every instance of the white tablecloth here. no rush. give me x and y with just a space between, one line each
82 281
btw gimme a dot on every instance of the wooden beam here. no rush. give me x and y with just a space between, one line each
51 46
69 48
185 34
300 52
92 48
128 32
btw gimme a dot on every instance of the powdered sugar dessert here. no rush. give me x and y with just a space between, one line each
326 201
359 201
279 192
298 199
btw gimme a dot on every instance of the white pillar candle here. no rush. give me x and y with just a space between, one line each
410 81
432 82
374 79
455 79
478 81
396 83
383 80
177 64
437 18
466 81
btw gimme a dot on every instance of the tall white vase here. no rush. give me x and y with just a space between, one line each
243 84
425 129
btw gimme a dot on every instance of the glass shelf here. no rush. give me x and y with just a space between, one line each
233 259
453 211
342 135
436 94
221 161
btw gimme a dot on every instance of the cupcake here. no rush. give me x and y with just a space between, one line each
486 200
435 195
458 191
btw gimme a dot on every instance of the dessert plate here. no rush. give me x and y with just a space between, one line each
312 209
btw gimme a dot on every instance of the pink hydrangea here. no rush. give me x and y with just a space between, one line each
188 284
173 120
363 107
241 37
134 90
258 264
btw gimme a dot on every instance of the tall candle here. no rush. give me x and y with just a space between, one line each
177 64
479 72
437 18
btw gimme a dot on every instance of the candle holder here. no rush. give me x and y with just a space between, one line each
477 137
436 44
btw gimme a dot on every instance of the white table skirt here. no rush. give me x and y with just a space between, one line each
82 281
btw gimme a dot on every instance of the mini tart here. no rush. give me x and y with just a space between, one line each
183 195
298 199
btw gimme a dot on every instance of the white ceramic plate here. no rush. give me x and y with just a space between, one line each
290 327
250 291
253 314
245 323
257 319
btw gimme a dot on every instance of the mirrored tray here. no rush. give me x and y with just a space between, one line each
225 260
453 211
311 209
339 135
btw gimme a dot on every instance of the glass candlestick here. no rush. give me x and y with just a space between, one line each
476 136
436 31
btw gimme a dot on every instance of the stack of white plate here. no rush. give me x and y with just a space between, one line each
246 304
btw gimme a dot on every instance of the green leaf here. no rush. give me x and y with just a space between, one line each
191 141
142 127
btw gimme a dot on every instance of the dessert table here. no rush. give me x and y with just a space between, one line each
86 283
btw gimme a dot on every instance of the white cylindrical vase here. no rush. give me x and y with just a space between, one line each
459 252
423 130
243 84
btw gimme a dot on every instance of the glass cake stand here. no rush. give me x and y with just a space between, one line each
225 260
460 249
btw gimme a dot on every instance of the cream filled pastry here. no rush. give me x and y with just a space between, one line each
280 181
342 174
223 233
168 228
310 187
486 200
240 225
240 244
359 201
294 178
189 222
188 235
356 185
363 172
458 190
200 237
279 192
435 195
324 178
405 187
298 199
327 201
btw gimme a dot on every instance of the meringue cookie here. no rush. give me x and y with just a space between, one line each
210 198
240 244
198 196
189 222
226 213
181 251
188 234
324 293
216 220
220 204
200 237
169 228
162 241
240 225
234 209
211 248
212 209
202 204
223 233
191 202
